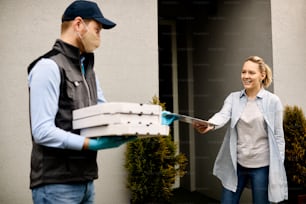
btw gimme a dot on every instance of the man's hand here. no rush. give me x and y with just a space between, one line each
106 142
168 118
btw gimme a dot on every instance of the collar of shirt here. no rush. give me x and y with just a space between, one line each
82 59
259 95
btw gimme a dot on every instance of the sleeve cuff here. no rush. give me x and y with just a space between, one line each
75 142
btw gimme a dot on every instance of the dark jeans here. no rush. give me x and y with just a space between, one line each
259 179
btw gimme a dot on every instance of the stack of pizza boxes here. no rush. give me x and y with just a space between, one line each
120 119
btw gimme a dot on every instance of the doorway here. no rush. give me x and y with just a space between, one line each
176 90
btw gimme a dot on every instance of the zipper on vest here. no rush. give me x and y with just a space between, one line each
84 79
87 89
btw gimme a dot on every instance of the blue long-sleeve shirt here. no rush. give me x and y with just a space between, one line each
44 82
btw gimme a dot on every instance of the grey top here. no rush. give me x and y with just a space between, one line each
252 144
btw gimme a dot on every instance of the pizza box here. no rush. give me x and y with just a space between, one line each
139 130
117 118
117 107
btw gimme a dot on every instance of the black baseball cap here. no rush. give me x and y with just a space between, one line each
86 10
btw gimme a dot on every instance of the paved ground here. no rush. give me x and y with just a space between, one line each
182 196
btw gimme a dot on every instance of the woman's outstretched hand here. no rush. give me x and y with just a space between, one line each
203 128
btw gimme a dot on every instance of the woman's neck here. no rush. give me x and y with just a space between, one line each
252 93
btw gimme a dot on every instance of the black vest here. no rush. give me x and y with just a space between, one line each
54 165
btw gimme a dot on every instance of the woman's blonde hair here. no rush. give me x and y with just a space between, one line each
263 67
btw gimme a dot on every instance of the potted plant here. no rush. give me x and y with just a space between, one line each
153 165
295 155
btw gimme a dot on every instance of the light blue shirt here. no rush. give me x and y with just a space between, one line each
44 82
225 167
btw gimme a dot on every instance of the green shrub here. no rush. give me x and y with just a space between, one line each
153 164
295 137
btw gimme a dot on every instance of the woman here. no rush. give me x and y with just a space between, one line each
253 147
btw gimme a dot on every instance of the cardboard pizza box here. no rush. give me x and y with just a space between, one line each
117 107
153 130
117 118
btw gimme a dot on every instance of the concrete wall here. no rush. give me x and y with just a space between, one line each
289 52
232 32
126 64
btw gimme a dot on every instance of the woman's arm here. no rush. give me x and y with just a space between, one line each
219 119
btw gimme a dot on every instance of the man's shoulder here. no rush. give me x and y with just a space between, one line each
49 54
45 68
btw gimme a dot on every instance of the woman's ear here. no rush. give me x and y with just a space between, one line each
263 75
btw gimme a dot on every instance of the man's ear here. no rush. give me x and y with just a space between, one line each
78 24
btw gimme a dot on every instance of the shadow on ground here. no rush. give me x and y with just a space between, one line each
183 196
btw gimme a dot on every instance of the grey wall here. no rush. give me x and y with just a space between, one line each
126 64
234 31
289 42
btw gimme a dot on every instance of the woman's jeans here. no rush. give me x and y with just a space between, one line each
258 177
64 194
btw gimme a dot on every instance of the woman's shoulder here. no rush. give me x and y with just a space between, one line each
270 95
237 94
234 96
271 98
